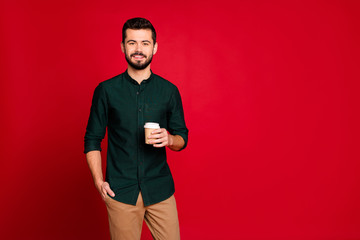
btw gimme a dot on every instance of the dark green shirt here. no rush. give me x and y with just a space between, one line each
123 106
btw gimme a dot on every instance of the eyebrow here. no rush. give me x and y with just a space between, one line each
135 41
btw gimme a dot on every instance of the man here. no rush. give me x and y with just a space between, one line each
138 185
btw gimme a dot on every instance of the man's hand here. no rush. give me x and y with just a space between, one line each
94 160
160 138
104 189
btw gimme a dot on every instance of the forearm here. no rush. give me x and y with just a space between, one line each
176 142
94 161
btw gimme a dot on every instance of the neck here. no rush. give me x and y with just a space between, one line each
139 75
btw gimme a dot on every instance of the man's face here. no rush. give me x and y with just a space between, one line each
138 48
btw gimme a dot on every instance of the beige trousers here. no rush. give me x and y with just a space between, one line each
125 221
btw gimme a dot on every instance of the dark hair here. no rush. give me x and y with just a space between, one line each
138 23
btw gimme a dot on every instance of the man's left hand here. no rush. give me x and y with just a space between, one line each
160 138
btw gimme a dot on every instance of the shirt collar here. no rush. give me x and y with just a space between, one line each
127 76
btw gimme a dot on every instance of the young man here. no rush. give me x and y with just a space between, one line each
138 185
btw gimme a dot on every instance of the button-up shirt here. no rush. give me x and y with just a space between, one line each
123 106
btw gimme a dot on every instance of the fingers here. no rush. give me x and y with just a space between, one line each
161 142
156 136
159 137
105 189
158 133
158 130
109 191
159 145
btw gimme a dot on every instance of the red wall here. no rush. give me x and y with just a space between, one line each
270 92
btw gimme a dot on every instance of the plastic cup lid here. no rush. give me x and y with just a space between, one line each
151 125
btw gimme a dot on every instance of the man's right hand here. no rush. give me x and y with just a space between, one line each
94 161
104 189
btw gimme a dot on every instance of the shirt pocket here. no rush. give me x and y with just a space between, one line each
155 113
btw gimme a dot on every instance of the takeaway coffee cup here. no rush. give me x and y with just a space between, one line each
149 127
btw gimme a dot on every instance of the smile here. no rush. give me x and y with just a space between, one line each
138 57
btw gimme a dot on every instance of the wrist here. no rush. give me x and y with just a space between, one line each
98 183
171 140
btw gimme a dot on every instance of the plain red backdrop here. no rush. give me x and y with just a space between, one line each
270 91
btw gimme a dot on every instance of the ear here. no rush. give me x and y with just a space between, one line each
155 48
122 47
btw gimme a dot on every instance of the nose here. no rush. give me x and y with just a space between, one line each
138 47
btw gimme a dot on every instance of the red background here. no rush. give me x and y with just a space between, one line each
270 92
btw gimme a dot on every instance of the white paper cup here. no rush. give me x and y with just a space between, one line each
149 127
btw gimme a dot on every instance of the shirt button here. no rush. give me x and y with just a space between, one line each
139 109
137 93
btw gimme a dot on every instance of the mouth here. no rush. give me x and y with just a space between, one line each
138 57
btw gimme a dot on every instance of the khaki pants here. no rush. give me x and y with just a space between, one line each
125 221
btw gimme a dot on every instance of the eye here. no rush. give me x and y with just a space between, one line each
146 44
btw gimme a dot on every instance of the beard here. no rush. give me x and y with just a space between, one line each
137 64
